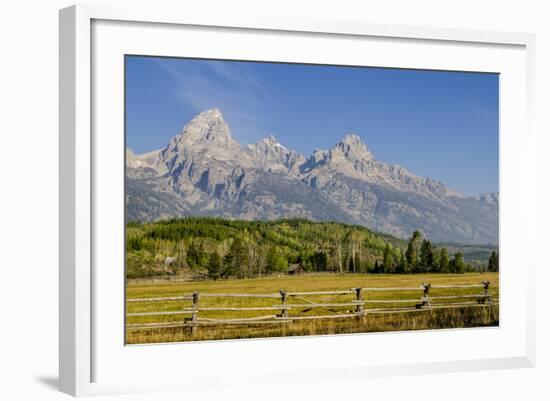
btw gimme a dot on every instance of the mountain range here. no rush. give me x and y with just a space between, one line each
204 171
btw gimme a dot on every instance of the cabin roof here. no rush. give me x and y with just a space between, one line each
294 266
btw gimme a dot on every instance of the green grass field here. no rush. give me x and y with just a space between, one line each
465 316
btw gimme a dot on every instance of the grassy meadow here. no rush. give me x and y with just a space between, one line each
460 316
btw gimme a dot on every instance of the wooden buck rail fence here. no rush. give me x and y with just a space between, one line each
352 309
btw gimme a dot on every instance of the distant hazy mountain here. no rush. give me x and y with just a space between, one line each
204 171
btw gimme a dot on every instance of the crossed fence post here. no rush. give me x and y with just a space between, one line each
425 300
486 295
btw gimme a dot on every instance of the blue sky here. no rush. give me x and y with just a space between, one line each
442 125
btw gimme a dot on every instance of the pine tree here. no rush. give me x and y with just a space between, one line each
426 256
236 260
319 261
493 262
412 251
458 265
410 255
416 237
388 259
443 265
403 266
215 266
192 255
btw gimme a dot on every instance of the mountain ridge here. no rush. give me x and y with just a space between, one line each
203 170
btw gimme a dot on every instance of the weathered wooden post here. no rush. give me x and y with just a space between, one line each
195 313
425 302
487 297
284 296
360 310
359 298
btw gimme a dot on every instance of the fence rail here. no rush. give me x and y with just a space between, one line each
356 308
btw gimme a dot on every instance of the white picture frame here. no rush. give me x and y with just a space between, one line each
91 40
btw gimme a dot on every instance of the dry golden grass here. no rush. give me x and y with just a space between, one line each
468 316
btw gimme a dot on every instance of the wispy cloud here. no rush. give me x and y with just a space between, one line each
234 88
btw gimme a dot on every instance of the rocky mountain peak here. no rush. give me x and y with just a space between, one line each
270 155
268 142
271 139
208 134
211 115
352 139
353 147
207 126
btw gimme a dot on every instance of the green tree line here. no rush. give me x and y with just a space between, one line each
222 248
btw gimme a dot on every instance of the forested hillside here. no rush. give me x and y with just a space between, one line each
220 248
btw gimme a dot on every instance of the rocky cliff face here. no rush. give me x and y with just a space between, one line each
204 171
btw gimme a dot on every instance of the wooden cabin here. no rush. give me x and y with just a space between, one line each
296 269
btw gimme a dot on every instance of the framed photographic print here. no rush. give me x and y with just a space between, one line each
228 240
319 190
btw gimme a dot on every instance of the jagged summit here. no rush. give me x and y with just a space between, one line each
211 114
272 140
208 134
352 146
208 125
352 139
271 156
